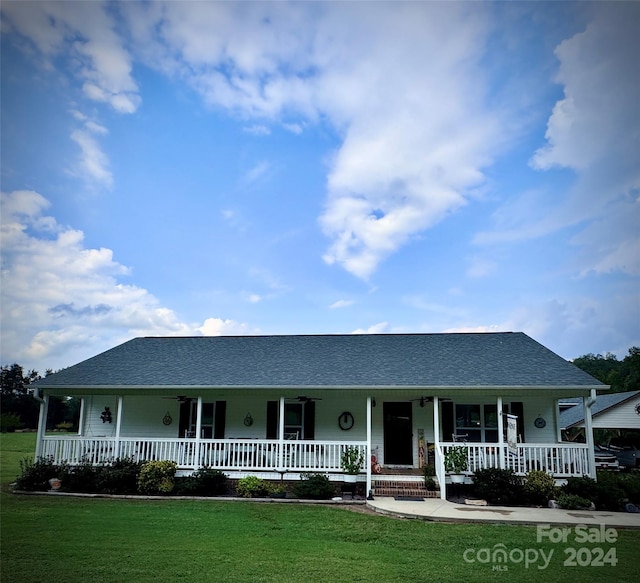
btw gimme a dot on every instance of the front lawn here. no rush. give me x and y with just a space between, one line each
71 539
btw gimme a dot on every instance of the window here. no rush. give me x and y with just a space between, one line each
478 422
213 420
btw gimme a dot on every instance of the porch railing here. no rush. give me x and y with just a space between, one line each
223 454
562 460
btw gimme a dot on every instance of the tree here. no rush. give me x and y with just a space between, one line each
621 375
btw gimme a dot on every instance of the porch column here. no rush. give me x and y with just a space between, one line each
83 403
281 435
196 455
438 458
368 456
500 433
42 425
587 402
116 447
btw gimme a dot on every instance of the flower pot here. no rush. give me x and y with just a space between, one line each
457 478
351 478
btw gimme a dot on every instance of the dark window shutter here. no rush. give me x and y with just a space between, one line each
221 415
517 408
446 408
309 419
272 419
183 423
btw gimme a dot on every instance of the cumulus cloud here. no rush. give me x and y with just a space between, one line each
84 33
379 328
61 300
416 134
594 130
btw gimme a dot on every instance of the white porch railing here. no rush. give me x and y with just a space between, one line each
223 454
562 460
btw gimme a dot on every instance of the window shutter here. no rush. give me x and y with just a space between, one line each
272 419
221 414
517 408
309 420
446 408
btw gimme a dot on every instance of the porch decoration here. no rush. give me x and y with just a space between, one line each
456 462
351 462
167 419
248 420
346 421
105 416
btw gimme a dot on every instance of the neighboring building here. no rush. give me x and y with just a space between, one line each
281 405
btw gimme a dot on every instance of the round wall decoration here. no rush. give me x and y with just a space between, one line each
167 420
638 409
346 421
540 423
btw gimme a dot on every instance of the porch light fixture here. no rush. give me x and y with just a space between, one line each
105 416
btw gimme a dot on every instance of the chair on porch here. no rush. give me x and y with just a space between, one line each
289 455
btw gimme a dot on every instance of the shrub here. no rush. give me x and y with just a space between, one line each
35 476
204 482
498 486
252 487
630 483
573 502
430 484
607 493
9 422
157 478
82 478
119 477
428 470
539 487
314 487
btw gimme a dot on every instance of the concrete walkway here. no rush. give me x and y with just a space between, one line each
445 511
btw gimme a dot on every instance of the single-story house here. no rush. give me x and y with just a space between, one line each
278 406
614 411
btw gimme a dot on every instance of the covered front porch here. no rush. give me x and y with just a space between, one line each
381 419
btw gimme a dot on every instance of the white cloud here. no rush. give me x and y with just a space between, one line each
595 132
93 163
475 329
62 302
416 134
83 32
219 327
481 267
341 304
379 328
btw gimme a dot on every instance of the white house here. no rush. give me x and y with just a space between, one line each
277 406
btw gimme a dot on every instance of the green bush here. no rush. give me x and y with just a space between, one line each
499 487
119 477
630 483
539 487
81 478
35 476
314 487
157 477
9 422
204 482
252 487
573 502
430 484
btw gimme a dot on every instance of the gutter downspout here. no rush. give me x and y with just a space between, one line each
588 430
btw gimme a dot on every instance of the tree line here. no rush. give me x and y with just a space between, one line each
20 408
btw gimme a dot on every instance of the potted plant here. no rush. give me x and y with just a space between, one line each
455 462
351 462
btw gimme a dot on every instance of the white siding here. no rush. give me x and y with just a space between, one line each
623 416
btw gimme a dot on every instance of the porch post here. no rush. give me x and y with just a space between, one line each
42 425
500 433
587 402
442 482
368 456
281 434
116 448
196 457
83 402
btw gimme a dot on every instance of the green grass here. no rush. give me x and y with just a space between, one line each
68 539
13 448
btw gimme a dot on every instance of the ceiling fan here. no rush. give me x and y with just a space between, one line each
303 399
423 400
179 398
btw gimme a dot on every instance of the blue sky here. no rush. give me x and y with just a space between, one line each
190 168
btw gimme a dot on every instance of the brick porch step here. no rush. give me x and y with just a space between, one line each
399 488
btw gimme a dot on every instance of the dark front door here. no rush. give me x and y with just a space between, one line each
398 437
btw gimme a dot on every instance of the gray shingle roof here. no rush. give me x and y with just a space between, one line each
411 360
575 415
